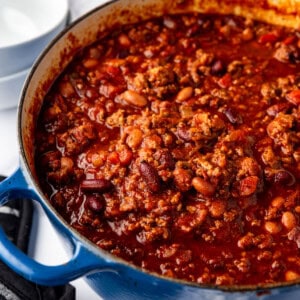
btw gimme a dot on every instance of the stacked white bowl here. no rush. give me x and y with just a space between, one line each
26 27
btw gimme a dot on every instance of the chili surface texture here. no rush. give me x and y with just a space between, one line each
175 144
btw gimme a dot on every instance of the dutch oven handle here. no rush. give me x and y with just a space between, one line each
83 261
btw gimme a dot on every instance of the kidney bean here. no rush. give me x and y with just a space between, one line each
150 176
202 186
96 185
233 116
275 109
284 177
95 202
218 68
165 158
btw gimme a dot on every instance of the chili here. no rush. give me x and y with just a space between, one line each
174 143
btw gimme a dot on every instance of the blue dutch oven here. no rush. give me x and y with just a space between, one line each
109 276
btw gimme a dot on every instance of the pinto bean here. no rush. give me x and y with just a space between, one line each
184 94
134 98
203 186
66 89
272 227
169 22
96 185
277 202
150 176
288 220
124 40
90 63
291 275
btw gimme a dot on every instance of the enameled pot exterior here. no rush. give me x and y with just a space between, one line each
112 277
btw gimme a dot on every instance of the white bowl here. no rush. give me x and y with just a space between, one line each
10 89
26 27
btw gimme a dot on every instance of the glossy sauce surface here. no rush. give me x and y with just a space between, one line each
175 144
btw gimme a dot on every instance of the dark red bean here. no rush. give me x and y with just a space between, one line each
218 68
96 185
165 159
284 177
275 109
150 176
233 116
95 202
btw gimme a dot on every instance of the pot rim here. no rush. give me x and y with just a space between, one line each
260 289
